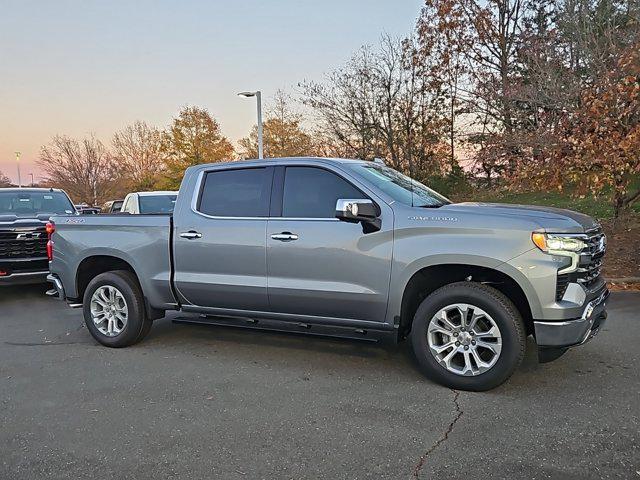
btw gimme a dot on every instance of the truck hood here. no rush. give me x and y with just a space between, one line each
548 218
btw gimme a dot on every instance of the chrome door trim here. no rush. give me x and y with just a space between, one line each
198 187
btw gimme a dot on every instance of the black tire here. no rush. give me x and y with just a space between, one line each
138 324
493 302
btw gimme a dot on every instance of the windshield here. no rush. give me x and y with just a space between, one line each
157 203
400 187
32 204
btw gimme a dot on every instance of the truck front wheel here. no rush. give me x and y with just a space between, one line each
114 310
468 336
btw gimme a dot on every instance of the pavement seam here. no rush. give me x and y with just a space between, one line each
442 439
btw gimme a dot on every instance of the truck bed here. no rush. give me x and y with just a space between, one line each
142 241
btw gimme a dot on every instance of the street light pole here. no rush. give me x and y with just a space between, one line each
260 145
258 96
18 164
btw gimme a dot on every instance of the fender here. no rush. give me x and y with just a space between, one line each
400 279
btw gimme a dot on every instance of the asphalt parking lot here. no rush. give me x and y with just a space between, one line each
212 402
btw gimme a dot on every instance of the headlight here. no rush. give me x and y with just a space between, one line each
550 243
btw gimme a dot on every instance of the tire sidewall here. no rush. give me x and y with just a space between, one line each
506 318
135 309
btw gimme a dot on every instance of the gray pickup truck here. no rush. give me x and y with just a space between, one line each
344 248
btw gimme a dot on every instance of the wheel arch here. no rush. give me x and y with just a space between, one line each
429 278
94 265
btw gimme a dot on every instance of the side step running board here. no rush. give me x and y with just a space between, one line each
368 335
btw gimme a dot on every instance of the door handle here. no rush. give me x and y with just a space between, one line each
191 235
285 236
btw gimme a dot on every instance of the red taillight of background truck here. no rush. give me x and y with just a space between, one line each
51 227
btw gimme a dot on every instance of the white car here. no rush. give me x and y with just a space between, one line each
149 202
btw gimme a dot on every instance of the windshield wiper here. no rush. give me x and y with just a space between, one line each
429 206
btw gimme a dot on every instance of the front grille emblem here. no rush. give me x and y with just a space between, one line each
27 236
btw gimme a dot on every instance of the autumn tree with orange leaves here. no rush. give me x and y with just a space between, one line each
284 135
605 135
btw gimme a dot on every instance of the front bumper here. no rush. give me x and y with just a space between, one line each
564 334
24 278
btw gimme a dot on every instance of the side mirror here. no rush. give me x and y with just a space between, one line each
359 211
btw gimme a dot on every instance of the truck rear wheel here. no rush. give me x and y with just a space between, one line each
114 310
468 336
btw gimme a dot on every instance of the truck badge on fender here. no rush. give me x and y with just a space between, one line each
435 219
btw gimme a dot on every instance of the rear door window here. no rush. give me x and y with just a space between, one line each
242 192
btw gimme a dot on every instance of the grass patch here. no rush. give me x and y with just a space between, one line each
598 207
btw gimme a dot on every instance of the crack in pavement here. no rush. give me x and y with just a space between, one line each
442 439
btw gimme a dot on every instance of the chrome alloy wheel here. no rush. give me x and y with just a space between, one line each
464 339
109 310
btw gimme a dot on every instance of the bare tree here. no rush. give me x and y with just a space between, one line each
384 102
85 168
445 35
342 104
138 153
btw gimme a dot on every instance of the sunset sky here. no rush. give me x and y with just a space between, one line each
76 68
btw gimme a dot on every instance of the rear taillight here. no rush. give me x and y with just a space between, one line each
51 227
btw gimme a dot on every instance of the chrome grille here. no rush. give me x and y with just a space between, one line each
588 273
23 244
591 257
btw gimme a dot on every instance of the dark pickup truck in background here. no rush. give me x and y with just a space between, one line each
24 213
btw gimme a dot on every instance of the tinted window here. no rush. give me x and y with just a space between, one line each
312 192
157 203
32 203
236 193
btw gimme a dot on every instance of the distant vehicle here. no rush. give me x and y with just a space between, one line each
85 209
149 202
112 206
343 248
24 213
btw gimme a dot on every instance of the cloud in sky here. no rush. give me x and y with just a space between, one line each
77 68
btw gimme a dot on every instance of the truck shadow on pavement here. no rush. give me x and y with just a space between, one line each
320 354
248 344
